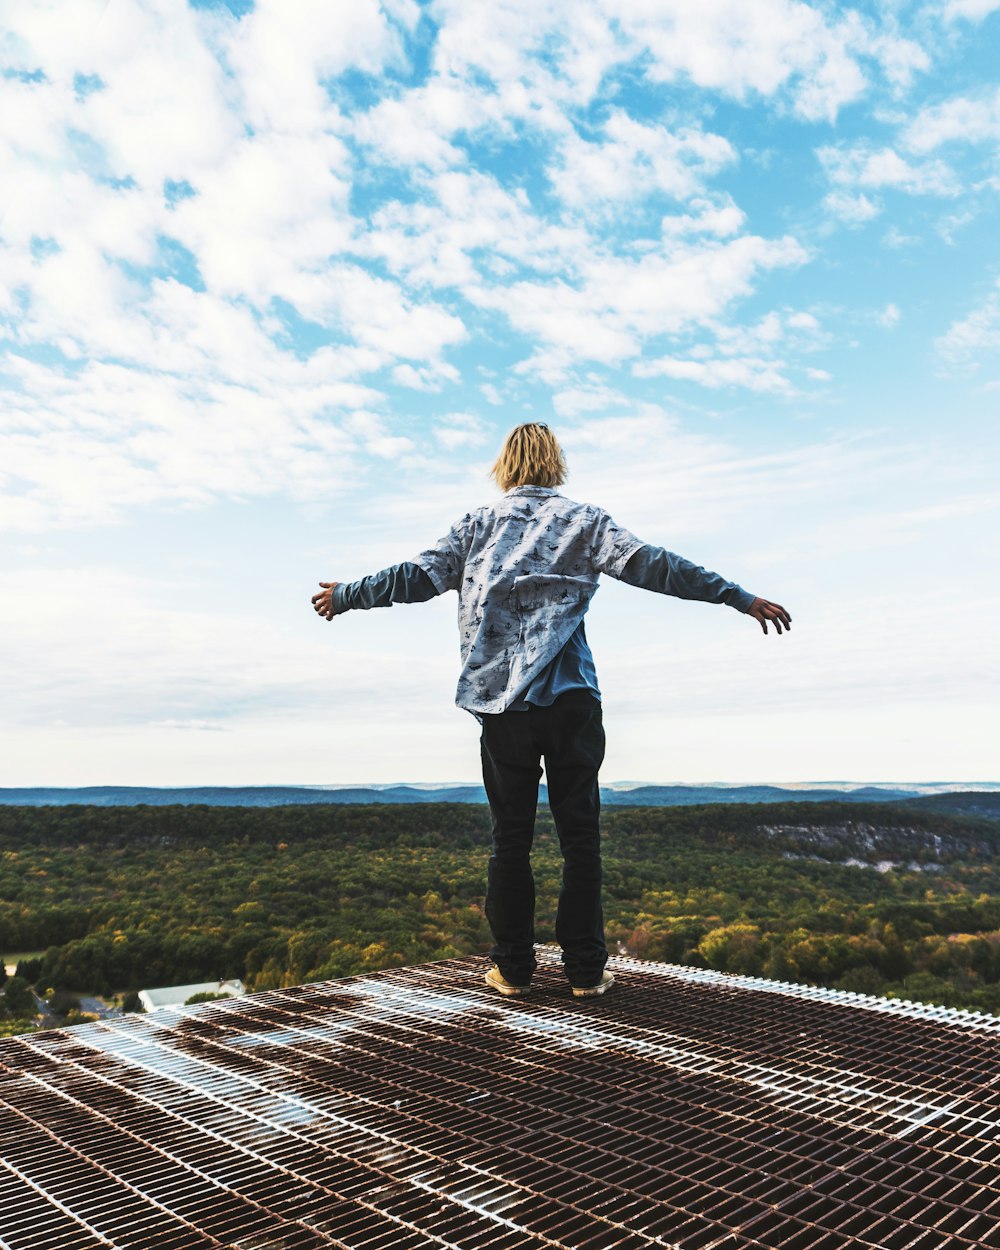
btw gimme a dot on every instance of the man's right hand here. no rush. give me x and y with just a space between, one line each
323 602
763 610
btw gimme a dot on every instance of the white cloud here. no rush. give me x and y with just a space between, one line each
265 215
263 212
722 218
754 357
390 447
418 127
460 429
900 59
738 48
763 335
490 393
80 448
889 316
469 227
851 209
950 225
430 378
974 334
751 373
970 10
633 160
162 111
281 54
50 33
375 313
172 392
619 302
370 428
959 120
135 650
895 238
591 397
511 44
867 166
661 478
271 212
542 58
158 107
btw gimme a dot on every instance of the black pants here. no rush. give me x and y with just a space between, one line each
570 737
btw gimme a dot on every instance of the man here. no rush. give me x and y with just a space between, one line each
526 568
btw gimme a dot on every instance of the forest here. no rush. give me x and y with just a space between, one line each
875 899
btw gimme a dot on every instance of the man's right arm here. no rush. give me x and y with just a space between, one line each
401 583
433 572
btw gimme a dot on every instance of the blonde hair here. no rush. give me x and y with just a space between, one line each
530 456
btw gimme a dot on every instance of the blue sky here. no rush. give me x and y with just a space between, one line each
277 278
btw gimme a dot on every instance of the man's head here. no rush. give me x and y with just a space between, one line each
530 456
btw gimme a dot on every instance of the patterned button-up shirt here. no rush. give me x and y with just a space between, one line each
526 569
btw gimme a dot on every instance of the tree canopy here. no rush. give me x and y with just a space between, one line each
877 899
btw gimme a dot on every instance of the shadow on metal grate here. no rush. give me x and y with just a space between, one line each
413 1109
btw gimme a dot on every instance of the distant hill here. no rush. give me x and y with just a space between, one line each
234 796
977 803
983 803
683 796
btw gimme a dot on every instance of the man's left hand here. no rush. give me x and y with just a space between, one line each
763 610
323 602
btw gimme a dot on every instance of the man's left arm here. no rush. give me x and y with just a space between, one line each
666 573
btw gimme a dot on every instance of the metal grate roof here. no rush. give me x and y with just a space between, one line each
413 1109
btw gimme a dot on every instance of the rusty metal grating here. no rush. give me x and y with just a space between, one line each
412 1109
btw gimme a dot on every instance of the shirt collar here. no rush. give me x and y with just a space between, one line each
533 490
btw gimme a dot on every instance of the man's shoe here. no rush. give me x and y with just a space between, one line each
496 980
592 991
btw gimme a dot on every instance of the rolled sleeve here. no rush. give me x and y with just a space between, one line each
613 546
444 563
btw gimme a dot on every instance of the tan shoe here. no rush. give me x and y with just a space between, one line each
592 991
496 980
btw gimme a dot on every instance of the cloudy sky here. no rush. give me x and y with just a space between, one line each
276 278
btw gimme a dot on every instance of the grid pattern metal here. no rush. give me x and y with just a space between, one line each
413 1109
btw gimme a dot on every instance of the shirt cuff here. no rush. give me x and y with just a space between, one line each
338 599
740 599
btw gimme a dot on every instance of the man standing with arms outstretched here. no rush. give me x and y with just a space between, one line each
525 569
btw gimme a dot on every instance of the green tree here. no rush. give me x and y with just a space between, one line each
62 1002
18 998
733 948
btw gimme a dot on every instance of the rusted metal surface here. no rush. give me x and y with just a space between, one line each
413 1109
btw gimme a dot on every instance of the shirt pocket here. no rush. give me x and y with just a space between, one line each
537 592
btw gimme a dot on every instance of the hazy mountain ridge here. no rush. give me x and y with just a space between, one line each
983 803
